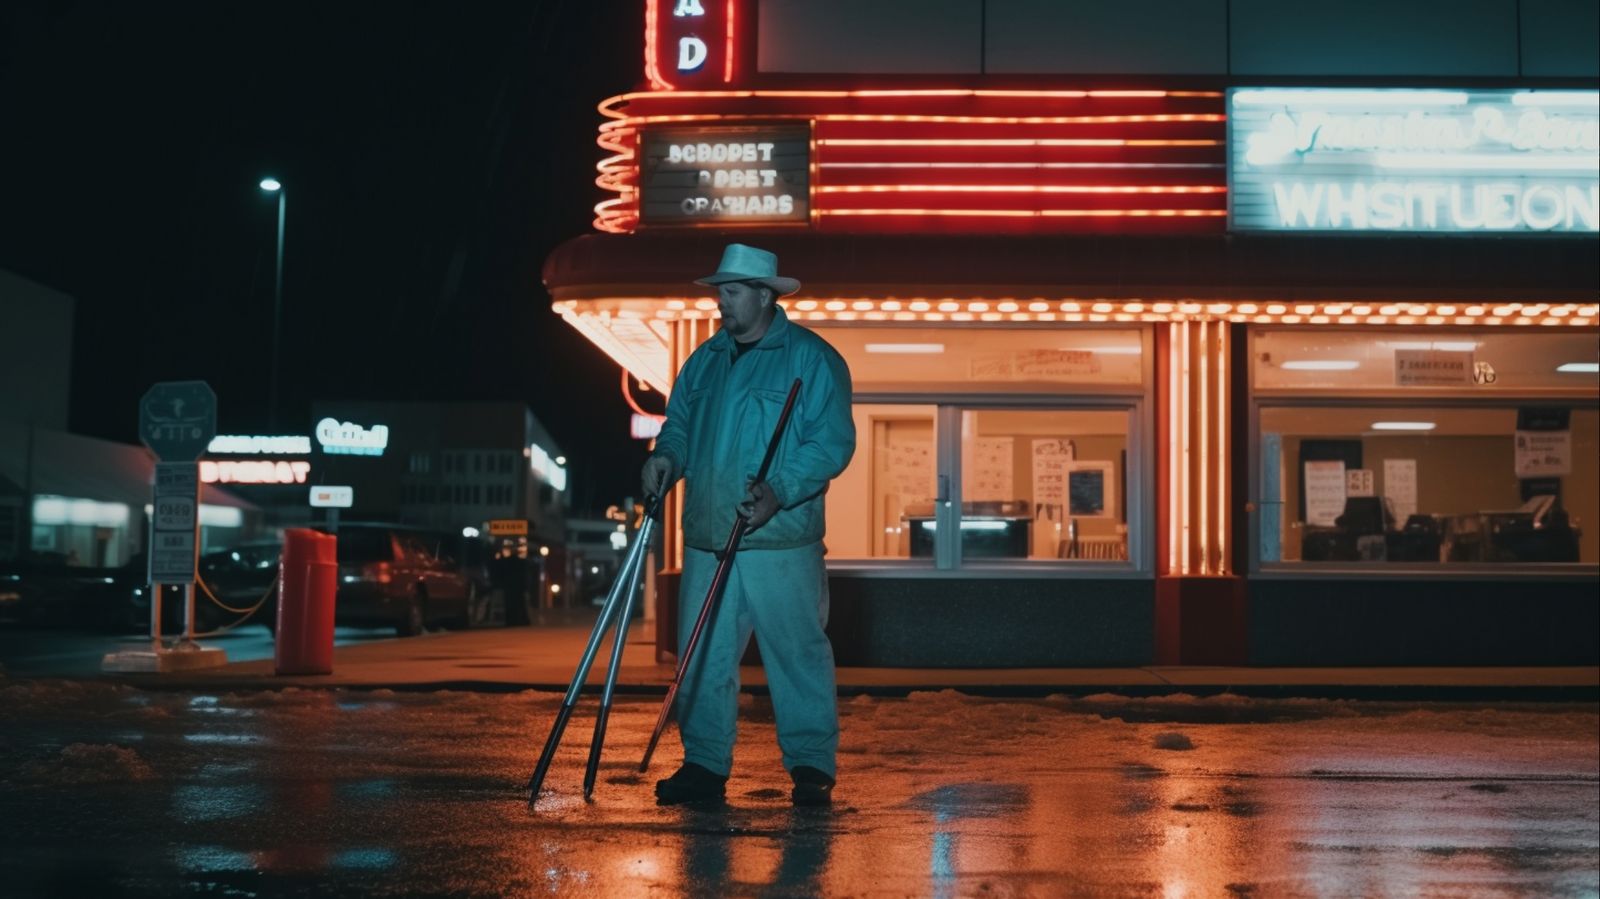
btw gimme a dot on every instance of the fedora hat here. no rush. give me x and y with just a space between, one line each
746 263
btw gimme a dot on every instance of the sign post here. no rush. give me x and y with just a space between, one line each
177 420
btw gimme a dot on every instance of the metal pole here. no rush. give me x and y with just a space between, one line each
277 312
624 581
643 535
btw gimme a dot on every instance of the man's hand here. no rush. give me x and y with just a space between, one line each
760 504
653 477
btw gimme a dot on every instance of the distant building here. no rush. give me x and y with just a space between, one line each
67 497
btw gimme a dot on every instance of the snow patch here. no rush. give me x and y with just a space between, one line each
89 763
1173 740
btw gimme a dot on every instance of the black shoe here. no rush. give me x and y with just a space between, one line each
811 787
691 783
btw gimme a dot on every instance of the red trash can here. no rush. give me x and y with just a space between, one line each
307 584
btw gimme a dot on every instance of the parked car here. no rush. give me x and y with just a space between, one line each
44 591
400 576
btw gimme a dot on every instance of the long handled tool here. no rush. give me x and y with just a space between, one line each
619 600
718 582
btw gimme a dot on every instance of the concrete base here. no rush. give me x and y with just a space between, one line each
189 657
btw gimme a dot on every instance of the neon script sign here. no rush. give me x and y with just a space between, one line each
350 439
1415 160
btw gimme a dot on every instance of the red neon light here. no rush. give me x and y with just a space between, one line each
1040 213
1019 188
652 70
727 63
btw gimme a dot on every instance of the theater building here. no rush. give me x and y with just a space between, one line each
1181 333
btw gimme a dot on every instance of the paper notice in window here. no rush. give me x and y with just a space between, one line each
1432 368
1543 453
1325 486
1050 459
986 474
1400 486
1050 365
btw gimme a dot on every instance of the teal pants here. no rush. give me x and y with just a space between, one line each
782 596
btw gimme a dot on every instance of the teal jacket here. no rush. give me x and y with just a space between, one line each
721 415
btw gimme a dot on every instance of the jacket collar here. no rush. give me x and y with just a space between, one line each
777 334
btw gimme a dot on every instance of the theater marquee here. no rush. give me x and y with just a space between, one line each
725 175
1447 161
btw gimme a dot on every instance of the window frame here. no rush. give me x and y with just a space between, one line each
1397 398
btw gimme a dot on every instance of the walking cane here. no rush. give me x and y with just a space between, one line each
718 582
620 598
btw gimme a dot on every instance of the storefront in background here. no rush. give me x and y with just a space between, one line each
1147 368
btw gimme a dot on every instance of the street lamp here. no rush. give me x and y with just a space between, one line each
273 185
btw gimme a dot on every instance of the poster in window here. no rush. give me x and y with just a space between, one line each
986 473
1325 486
1090 490
1400 487
1050 458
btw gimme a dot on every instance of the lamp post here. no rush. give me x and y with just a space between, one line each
273 185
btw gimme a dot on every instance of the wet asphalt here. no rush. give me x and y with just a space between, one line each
110 790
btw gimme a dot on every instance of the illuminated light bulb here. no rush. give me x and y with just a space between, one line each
1349 319
679 304
905 316
991 316
1069 307
664 314
806 305
1389 310
1319 319
1134 307
1125 317
1334 309
934 316
1101 307
949 306
1038 307
1022 316
1277 309
1263 319
861 305
1476 310
1291 319
890 305
1073 317
1096 317
1434 320
834 305
1163 308
1503 311
1586 310
1218 308
705 305
1561 311
961 316
1406 320
1445 310
1377 319
1247 308
877 316
846 316
1190 308
1304 309
1493 320
978 307
1007 306
1361 310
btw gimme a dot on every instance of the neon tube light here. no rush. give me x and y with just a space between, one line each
727 65
1557 98
1433 161
1321 365
1017 188
1579 368
1011 142
1335 97
1022 165
1041 213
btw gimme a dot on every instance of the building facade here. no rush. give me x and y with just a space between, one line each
1217 332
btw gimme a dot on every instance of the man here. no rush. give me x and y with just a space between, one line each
723 410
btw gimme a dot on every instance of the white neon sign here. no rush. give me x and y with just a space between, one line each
254 472
350 439
243 445
1420 161
552 472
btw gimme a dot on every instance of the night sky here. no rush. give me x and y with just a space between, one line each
433 154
